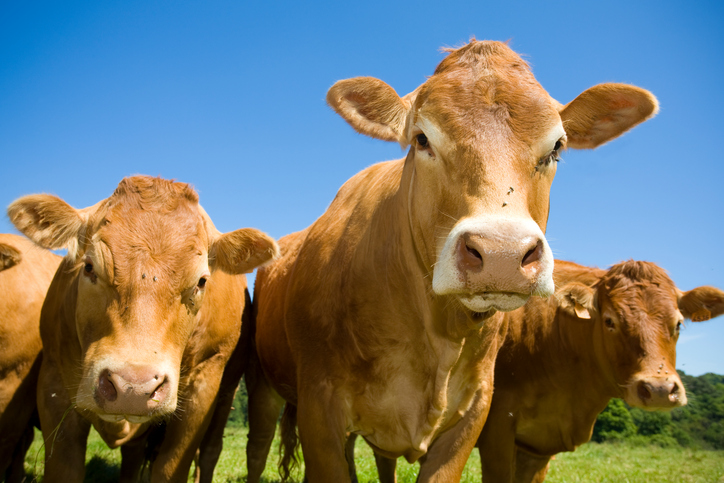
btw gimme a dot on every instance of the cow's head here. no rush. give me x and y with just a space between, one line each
484 141
638 312
142 261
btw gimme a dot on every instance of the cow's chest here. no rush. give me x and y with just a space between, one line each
410 401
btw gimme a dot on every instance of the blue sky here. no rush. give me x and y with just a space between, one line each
229 96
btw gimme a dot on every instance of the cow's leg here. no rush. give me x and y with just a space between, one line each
349 455
530 468
497 448
16 471
322 434
448 454
65 432
386 469
264 407
183 436
133 455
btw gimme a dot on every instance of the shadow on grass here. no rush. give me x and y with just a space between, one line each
98 470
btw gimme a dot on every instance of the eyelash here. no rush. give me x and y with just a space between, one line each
552 157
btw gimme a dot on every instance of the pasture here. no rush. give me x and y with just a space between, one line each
592 462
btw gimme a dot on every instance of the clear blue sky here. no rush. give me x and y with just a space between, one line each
229 96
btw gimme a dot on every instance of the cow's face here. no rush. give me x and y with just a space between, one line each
638 314
144 258
484 140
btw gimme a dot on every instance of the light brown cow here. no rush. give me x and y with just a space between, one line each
606 333
138 324
25 274
377 319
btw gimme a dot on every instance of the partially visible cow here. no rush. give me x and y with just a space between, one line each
138 323
379 319
605 334
25 274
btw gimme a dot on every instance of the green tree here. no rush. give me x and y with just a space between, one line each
614 423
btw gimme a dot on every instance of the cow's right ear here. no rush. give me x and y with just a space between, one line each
242 251
47 220
371 107
577 299
9 256
701 303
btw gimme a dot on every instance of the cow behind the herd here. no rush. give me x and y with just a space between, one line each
138 323
605 334
25 274
378 319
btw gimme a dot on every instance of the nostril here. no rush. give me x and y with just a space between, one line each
106 389
533 255
674 394
474 252
643 391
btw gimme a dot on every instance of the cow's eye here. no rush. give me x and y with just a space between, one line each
89 271
422 141
678 327
609 323
202 282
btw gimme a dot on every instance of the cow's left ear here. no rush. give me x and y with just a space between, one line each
701 303
242 251
9 256
604 112
577 299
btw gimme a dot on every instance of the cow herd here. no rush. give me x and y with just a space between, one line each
422 311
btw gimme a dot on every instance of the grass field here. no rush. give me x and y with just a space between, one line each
619 463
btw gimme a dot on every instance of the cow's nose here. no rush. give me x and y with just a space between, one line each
657 393
512 265
134 390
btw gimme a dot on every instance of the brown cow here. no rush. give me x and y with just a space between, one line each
378 318
606 333
25 274
138 324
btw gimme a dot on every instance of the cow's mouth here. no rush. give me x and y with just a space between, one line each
484 302
117 418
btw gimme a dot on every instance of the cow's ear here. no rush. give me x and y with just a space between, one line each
9 256
701 303
604 112
577 299
242 251
371 107
48 221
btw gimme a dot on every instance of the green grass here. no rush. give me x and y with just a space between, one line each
620 463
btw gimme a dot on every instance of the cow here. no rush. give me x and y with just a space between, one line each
138 323
25 274
379 318
605 334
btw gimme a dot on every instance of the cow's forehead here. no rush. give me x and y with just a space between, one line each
155 227
485 88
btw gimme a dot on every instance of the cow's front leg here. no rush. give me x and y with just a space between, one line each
185 432
322 434
448 454
65 431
